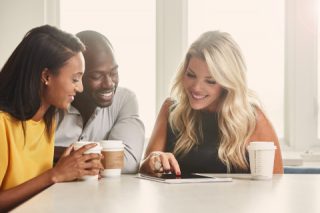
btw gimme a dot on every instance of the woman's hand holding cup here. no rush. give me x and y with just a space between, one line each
81 162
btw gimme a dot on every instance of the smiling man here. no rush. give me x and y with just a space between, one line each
104 110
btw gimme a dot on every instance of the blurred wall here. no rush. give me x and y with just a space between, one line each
17 17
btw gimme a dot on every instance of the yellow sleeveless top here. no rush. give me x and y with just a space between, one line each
23 155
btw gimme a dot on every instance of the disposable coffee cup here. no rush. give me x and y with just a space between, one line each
261 157
113 161
96 149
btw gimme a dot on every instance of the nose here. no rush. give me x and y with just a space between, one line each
79 87
196 86
107 82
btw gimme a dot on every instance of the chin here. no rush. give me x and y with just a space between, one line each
63 106
104 104
198 107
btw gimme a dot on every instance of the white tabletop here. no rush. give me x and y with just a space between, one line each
284 193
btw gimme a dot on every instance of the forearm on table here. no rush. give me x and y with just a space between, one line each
13 197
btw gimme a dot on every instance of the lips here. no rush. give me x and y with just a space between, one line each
105 95
71 98
197 96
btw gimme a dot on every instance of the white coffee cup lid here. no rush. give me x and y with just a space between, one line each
79 144
112 144
261 145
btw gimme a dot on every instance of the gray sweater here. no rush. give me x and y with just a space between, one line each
120 121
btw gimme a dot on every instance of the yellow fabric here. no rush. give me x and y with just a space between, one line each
23 156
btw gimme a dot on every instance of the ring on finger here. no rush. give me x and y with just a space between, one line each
157 164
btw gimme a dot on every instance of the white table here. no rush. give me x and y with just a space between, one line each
128 194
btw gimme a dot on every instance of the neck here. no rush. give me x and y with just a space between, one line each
84 106
215 106
40 113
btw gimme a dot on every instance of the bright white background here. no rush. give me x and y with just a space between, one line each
258 28
133 36
130 27
278 39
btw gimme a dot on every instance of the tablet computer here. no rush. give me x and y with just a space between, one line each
183 178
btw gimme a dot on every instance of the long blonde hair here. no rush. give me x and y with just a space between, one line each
237 107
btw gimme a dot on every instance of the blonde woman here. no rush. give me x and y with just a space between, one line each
211 116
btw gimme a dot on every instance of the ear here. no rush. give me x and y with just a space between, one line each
45 76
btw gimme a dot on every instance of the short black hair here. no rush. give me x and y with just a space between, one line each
94 40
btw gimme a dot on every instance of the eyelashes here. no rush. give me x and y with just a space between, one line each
97 76
75 80
211 82
193 76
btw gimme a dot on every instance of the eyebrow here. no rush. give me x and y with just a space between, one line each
78 73
115 67
207 77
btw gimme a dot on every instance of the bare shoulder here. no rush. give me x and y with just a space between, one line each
264 129
157 140
261 116
165 108
163 115
168 102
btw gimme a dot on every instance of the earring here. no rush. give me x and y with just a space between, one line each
46 82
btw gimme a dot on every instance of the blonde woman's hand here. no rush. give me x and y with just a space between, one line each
160 162
75 164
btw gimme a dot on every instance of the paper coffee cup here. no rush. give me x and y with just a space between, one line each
113 152
96 149
261 157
